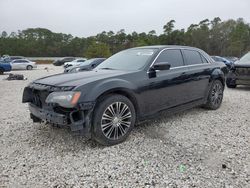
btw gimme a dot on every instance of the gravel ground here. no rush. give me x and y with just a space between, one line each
197 148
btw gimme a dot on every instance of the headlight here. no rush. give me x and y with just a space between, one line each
67 99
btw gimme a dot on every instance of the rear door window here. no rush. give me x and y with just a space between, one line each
173 57
16 61
192 57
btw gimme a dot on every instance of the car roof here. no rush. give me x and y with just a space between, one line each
161 47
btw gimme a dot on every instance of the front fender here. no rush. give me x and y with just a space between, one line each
218 74
93 91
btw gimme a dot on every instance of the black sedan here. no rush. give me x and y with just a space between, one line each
86 65
60 62
130 86
240 72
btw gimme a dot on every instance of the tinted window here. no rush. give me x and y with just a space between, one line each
192 57
173 57
68 59
204 60
96 61
100 60
17 61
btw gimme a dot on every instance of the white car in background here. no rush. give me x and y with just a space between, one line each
74 63
21 64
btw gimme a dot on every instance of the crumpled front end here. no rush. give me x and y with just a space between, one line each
239 75
78 118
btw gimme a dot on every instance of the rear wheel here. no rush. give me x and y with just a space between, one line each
114 118
29 67
1 71
215 95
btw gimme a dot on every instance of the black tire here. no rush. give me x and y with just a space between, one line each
215 95
29 67
110 132
231 85
1 71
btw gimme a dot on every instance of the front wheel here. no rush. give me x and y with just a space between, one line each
114 118
215 95
29 67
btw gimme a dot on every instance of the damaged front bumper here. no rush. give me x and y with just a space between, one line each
79 120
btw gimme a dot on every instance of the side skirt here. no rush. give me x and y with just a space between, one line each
173 110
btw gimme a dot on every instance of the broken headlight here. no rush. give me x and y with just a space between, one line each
67 99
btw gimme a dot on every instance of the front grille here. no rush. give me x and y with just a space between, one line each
36 100
39 97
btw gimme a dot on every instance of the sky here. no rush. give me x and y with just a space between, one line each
85 18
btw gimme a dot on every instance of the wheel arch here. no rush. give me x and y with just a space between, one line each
29 66
121 91
218 74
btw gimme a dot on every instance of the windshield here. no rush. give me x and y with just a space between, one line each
87 62
245 58
132 59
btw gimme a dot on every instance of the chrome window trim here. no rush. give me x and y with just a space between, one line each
189 66
181 48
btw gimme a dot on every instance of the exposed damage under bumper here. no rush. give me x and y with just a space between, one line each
77 118
239 75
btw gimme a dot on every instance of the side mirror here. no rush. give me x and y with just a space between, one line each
161 66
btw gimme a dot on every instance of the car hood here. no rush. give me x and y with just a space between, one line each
79 78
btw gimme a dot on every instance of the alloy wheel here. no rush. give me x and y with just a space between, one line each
217 94
116 120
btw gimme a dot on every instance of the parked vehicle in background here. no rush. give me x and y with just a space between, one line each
4 67
240 72
224 60
61 61
232 59
105 103
20 64
87 65
76 62
8 59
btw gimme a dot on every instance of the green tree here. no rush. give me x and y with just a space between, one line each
217 37
97 50
168 28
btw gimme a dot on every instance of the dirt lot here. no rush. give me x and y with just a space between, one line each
197 148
